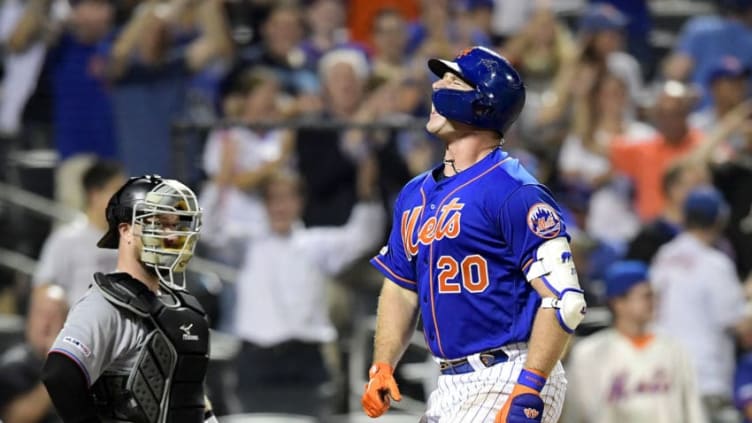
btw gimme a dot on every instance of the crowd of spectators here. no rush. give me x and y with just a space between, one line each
309 117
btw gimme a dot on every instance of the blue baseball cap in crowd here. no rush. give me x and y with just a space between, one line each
727 67
470 5
621 276
704 206
602 17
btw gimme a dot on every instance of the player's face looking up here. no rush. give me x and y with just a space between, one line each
438 124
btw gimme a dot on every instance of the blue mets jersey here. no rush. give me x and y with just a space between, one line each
462 244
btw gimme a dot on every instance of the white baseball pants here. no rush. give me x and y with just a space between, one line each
477 397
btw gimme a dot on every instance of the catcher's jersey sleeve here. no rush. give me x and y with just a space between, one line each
393 260
528 218
94 335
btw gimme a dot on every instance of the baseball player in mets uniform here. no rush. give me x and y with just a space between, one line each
135 347
479 249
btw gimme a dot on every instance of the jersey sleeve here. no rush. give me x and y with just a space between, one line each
528 218
393 261
89 335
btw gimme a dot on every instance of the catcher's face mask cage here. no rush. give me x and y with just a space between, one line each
170 221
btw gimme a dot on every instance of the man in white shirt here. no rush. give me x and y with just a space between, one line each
281 312
626 374
701 301
70 255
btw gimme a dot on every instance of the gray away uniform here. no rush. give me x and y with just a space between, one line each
144 356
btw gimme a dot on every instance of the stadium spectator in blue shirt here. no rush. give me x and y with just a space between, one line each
705 40
152 62
82 110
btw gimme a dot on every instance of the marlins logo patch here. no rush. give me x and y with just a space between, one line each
543 220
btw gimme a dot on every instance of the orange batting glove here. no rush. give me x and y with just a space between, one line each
381 389
524 404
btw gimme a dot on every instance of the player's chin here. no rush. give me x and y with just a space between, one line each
435 123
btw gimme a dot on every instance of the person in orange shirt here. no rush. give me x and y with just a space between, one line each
645 161
361 14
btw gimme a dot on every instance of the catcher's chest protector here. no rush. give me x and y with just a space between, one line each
166 384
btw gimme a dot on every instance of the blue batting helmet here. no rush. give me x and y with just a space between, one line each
498 92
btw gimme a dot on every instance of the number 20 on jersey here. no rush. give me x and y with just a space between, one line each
472 272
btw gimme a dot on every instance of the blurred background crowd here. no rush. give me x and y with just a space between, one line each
297 122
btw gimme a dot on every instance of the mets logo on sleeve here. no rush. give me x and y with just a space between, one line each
543 220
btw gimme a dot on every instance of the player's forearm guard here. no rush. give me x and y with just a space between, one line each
554 265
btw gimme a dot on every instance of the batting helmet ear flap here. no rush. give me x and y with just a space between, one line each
482 107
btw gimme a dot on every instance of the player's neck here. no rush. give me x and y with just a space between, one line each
137 270
462 153
631 330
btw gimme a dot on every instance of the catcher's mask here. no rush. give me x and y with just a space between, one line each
165 214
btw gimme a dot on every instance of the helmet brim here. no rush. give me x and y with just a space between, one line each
440 66
110 240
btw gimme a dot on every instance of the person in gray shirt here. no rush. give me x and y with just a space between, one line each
135 348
